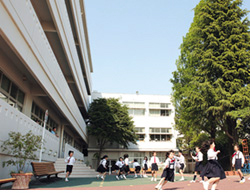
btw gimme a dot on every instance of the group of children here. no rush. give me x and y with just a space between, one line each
122 166
212 170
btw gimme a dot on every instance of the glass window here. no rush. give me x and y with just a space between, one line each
9 92
5 84
141 137
136 112
20 97
13 91
140 129
38 115
159 130
160 137
154 113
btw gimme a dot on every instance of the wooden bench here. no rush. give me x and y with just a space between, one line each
44 169
148 171
4 181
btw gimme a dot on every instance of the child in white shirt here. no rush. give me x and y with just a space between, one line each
70 162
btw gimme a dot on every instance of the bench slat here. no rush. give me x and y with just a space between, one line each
3 181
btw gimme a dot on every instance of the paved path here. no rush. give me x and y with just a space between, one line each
230 183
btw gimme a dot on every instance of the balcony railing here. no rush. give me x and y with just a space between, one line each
13 120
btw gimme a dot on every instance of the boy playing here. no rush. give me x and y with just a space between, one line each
70 162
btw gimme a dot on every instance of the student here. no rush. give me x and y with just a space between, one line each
145 167
168 172
198 163
154 166
119 168
69 167
238 162
181 161
126 165
102 168
137 168
213 170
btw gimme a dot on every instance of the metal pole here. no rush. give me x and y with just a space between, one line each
110 167
44 125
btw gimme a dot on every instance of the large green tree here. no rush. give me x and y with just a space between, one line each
109 122
211 84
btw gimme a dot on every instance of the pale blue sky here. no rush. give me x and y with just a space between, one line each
135 43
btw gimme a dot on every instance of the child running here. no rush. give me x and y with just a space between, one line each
198 164
181 161
126 165
119 168
145 167
213 170
137 168
238 162
154 166
168 172
102 167
70 162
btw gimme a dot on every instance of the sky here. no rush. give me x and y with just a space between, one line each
135 43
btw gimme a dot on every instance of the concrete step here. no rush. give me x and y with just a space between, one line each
80 170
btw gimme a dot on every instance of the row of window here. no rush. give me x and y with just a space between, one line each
153 130
38 114
151 105
67 138
152 112
10 93
155 137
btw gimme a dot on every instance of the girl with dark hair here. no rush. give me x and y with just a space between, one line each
154 166
213 170
168 172
238 162
137 168
145 167
198 164
126 166
102 168
181 164
119 168
70 160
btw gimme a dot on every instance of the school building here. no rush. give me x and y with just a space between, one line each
45 64
153 116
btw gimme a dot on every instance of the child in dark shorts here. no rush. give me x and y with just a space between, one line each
70 160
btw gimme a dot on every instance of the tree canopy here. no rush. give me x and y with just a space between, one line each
110 122
211 84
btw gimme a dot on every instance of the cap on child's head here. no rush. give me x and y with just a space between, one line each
135 160
70 152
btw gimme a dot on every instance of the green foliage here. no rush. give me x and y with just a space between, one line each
211 85
22 148
110 122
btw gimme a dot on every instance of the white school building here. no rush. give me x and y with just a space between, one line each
153 117
45 63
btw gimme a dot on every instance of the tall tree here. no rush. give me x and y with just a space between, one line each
211 85
110 123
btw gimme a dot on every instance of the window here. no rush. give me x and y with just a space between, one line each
159 105
159 113
135 104
141 137
10 93
67 138
77 146
38 115
159 130
136 112
140 130
160 137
